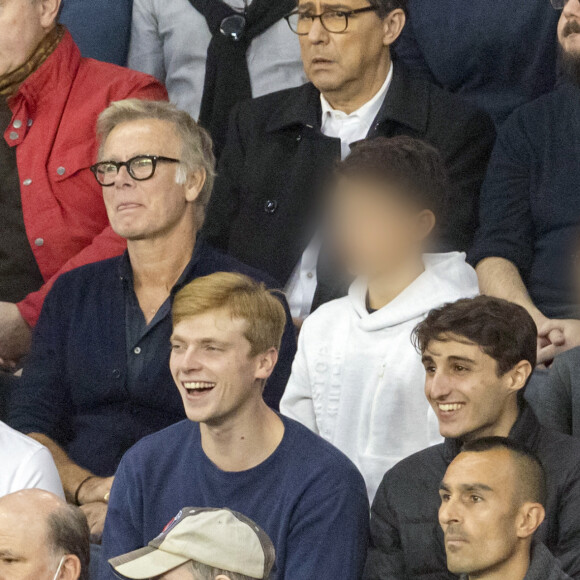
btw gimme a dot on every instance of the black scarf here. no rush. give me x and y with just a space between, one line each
227 79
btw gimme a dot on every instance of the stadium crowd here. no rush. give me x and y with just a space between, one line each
289 289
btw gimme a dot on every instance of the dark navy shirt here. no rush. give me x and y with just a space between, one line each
83 387
308 497
101 28
530 201
498 54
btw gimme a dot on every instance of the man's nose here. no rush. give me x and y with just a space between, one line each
437 385
449 512
318 34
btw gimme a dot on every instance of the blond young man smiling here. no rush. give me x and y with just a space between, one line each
235 452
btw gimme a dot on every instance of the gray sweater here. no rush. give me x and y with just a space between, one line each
556 398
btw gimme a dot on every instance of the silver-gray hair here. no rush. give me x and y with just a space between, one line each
197 147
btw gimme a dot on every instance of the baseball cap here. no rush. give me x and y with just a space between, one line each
219 538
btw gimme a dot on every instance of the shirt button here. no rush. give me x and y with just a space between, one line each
137 350
61 170
116 374
17 124
310 275
39 242
271 206
29 122
13 135
27 182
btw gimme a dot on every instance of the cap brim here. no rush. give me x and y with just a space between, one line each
146 563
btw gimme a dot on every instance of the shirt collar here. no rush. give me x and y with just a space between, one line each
366 113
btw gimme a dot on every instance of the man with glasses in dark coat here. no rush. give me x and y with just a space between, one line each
280 147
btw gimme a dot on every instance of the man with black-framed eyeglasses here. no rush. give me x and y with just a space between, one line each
267 207
97 379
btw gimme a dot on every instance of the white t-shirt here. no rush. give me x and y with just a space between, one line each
25 464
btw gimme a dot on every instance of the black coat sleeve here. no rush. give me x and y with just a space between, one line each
386 559
466 151
225 199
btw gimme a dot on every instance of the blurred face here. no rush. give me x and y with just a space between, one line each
479 512
344 63
469 398
153 208
213 368
569 29
373 228
24 548
23 24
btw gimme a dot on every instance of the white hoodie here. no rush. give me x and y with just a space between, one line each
358 381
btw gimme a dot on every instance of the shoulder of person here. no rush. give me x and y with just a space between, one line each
322 457
14 443
145 451
93 275
215 260
261 110
560 454
328 315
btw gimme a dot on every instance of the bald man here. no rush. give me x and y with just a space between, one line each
42 538
492 503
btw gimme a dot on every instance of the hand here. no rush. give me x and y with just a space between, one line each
96 513
556 337
15 335
96 489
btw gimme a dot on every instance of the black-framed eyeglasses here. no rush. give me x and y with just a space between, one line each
140 168
335 21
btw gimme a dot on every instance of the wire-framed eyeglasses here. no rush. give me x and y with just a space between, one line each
140 168
335 21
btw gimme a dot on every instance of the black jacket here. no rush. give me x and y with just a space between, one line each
406 539
543 566
269 176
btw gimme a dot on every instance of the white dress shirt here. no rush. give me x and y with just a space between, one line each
301 287
25 464
169 40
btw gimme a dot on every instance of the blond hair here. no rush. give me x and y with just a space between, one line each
197 147
244 298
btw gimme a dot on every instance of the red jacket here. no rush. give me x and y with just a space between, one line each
53 129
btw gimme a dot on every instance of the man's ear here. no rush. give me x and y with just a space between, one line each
266 363
530 517
393 24
48 12
71 568
194 184
425 224
519 375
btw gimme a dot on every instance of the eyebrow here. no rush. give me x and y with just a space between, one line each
462 359
312 6
203 341
7 554
468 487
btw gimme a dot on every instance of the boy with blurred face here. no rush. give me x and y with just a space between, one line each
478 355
357 378
492 503
233 450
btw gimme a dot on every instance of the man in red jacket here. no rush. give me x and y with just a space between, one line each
52 214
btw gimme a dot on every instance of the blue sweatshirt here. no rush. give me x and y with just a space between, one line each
498 54
307 496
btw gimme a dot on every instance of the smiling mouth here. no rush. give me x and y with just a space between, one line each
198 387
450 407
